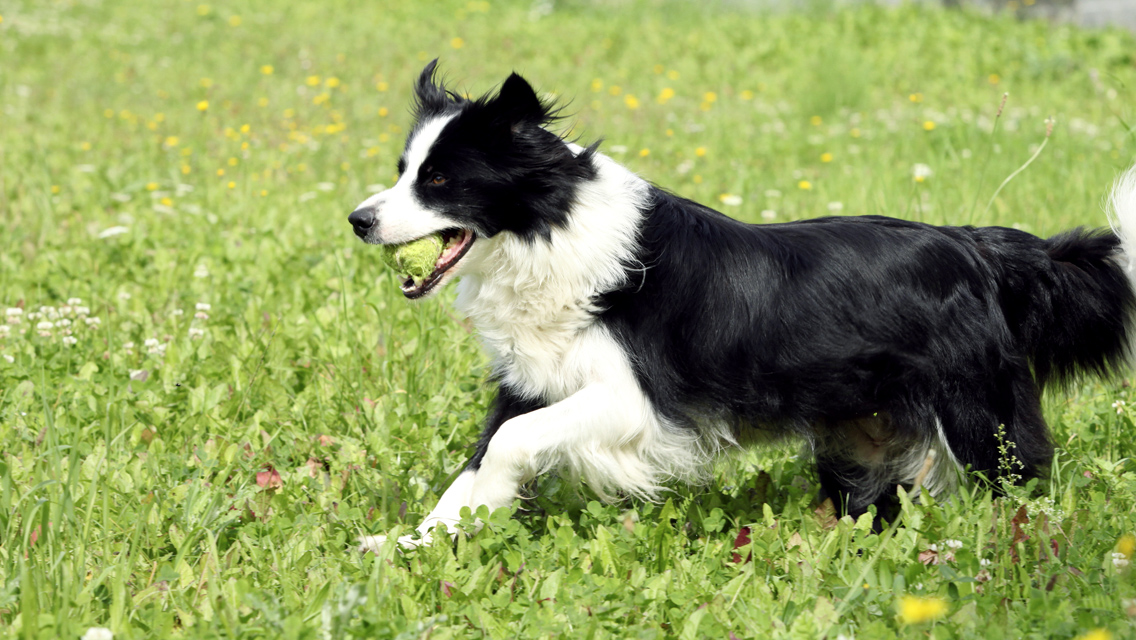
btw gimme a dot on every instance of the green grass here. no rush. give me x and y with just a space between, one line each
137 489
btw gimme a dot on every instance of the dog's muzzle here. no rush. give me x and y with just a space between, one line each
362 220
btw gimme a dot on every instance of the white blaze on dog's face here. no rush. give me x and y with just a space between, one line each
399 214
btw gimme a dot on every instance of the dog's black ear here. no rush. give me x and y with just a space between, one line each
430 94
517 103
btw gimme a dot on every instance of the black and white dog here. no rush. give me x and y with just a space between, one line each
636 335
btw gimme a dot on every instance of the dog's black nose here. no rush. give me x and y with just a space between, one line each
362 220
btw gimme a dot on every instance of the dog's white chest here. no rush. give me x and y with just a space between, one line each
539 344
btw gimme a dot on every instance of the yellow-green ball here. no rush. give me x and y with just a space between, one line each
415 259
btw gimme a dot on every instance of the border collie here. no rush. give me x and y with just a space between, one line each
636 335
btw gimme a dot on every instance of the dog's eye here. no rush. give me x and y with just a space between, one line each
437 178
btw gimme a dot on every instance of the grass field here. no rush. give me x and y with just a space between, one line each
209 388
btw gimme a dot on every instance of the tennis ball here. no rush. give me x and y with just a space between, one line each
415 259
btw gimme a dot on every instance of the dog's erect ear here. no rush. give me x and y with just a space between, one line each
431 94
517 104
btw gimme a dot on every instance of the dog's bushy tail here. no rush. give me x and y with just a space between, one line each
1072 305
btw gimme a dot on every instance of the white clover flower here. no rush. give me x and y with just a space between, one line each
177 312
196 332
921 172
769 214
63 322
128 347
9 358
93 321
82 311
772 193
45 326
69 340
204 306
51 312
730 199
1119 560
985 562
13 314
1119 406
953 544
98 633
201 315
836 206
201 271
74 301
5 330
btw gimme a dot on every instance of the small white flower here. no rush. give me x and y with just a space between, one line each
918 586
921 172
201 315
63 322
953 544
124 295
1119 406
93 322
5 330
204 306
98 633
45 326
74 302
325 186
836 206
1119 560
201 271
69 340
196 332
51 312
966 153
730 199
772 193
618 148
13 312
985 562
769 214
113 231
82 311
177 312
128 347
9 358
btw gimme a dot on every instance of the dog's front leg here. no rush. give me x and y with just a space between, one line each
595 419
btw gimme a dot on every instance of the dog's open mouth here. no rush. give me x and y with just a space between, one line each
455 244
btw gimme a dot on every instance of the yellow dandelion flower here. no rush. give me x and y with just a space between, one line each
383 111
631 101
816 121
643 153
928 125
382 86
804 185
597 84
159 117
672 75
233 162
747 95
166 202
244 146
232 185
670 133
994 78
826 157
172 141
710 96
332 82
1096 634
913 609
457 43
55 188
220 172
203 105
1126 545
234 21
264 192
700 151
615 90
915 97
151 186
666 94
86 146
313 81
697 179
203 9
1 19
267 69
245 128
185 169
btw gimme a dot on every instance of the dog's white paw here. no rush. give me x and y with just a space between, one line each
375 544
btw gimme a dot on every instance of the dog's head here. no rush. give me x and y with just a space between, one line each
474 169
